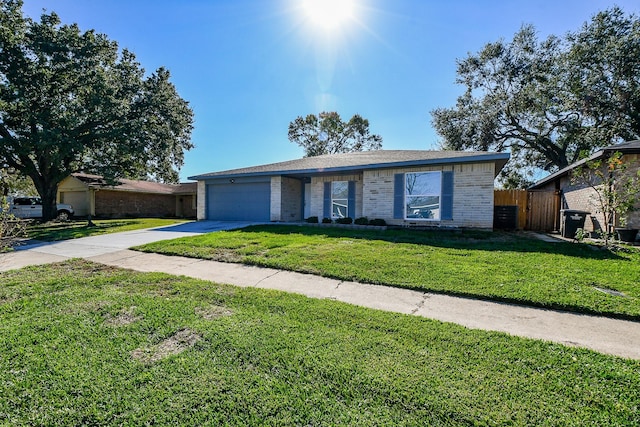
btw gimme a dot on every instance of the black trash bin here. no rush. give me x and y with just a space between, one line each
570 221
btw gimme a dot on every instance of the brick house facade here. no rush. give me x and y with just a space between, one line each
92 195
579 196
457 186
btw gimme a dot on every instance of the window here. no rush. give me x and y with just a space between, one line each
422 195
339 199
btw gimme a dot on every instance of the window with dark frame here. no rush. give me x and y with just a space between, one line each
423 195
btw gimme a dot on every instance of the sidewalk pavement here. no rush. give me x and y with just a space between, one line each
606 335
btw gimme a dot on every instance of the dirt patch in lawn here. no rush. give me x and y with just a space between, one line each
7 299
124 318
226 255
175 344
213 312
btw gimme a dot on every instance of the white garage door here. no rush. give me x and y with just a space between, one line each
239 201
78 199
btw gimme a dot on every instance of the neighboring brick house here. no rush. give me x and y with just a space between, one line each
403 187
582 197
92 195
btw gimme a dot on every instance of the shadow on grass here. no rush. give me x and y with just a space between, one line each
499 241
54 231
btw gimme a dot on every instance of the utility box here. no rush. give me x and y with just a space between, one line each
570 221
505 217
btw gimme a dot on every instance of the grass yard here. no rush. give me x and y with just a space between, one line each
52 231
501 266
86 344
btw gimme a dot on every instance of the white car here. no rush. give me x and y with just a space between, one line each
31 207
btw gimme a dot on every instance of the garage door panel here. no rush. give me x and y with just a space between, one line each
78 199
239 201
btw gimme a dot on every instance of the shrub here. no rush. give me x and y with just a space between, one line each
312 220
326 220
378 222
363 220
346 220
11 228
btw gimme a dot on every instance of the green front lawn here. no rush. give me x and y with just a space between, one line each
503 266
87 344
52 231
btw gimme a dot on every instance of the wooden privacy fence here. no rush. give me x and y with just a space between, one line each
536 210
513 198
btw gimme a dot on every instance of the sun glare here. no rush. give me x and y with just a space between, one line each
328 14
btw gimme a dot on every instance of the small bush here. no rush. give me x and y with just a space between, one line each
312 220
378 222
363 220
11 228
326 220
346 220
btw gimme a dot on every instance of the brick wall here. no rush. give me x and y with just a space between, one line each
291 203
122 204
286 199
201 211
276 198
583 197
186 206
317 193
472 195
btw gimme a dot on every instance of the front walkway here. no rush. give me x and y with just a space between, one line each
606 335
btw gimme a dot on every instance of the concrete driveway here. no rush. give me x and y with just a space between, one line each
33 252
606 335
106 243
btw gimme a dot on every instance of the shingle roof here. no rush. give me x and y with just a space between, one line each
332 163
98 181
629 147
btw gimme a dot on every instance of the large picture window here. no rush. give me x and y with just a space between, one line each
339 199
422 195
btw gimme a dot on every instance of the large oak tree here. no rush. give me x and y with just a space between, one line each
73 101
326 133
549 102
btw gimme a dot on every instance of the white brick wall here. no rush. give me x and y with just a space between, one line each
276 198
472 195
317 193
202 200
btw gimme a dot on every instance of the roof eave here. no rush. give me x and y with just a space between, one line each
565 171
499 158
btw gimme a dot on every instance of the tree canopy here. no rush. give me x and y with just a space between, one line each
73 101
13 183
326 133
549 102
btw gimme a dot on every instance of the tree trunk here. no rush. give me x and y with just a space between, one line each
48 191
49 209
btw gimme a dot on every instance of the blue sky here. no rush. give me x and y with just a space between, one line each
250 67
